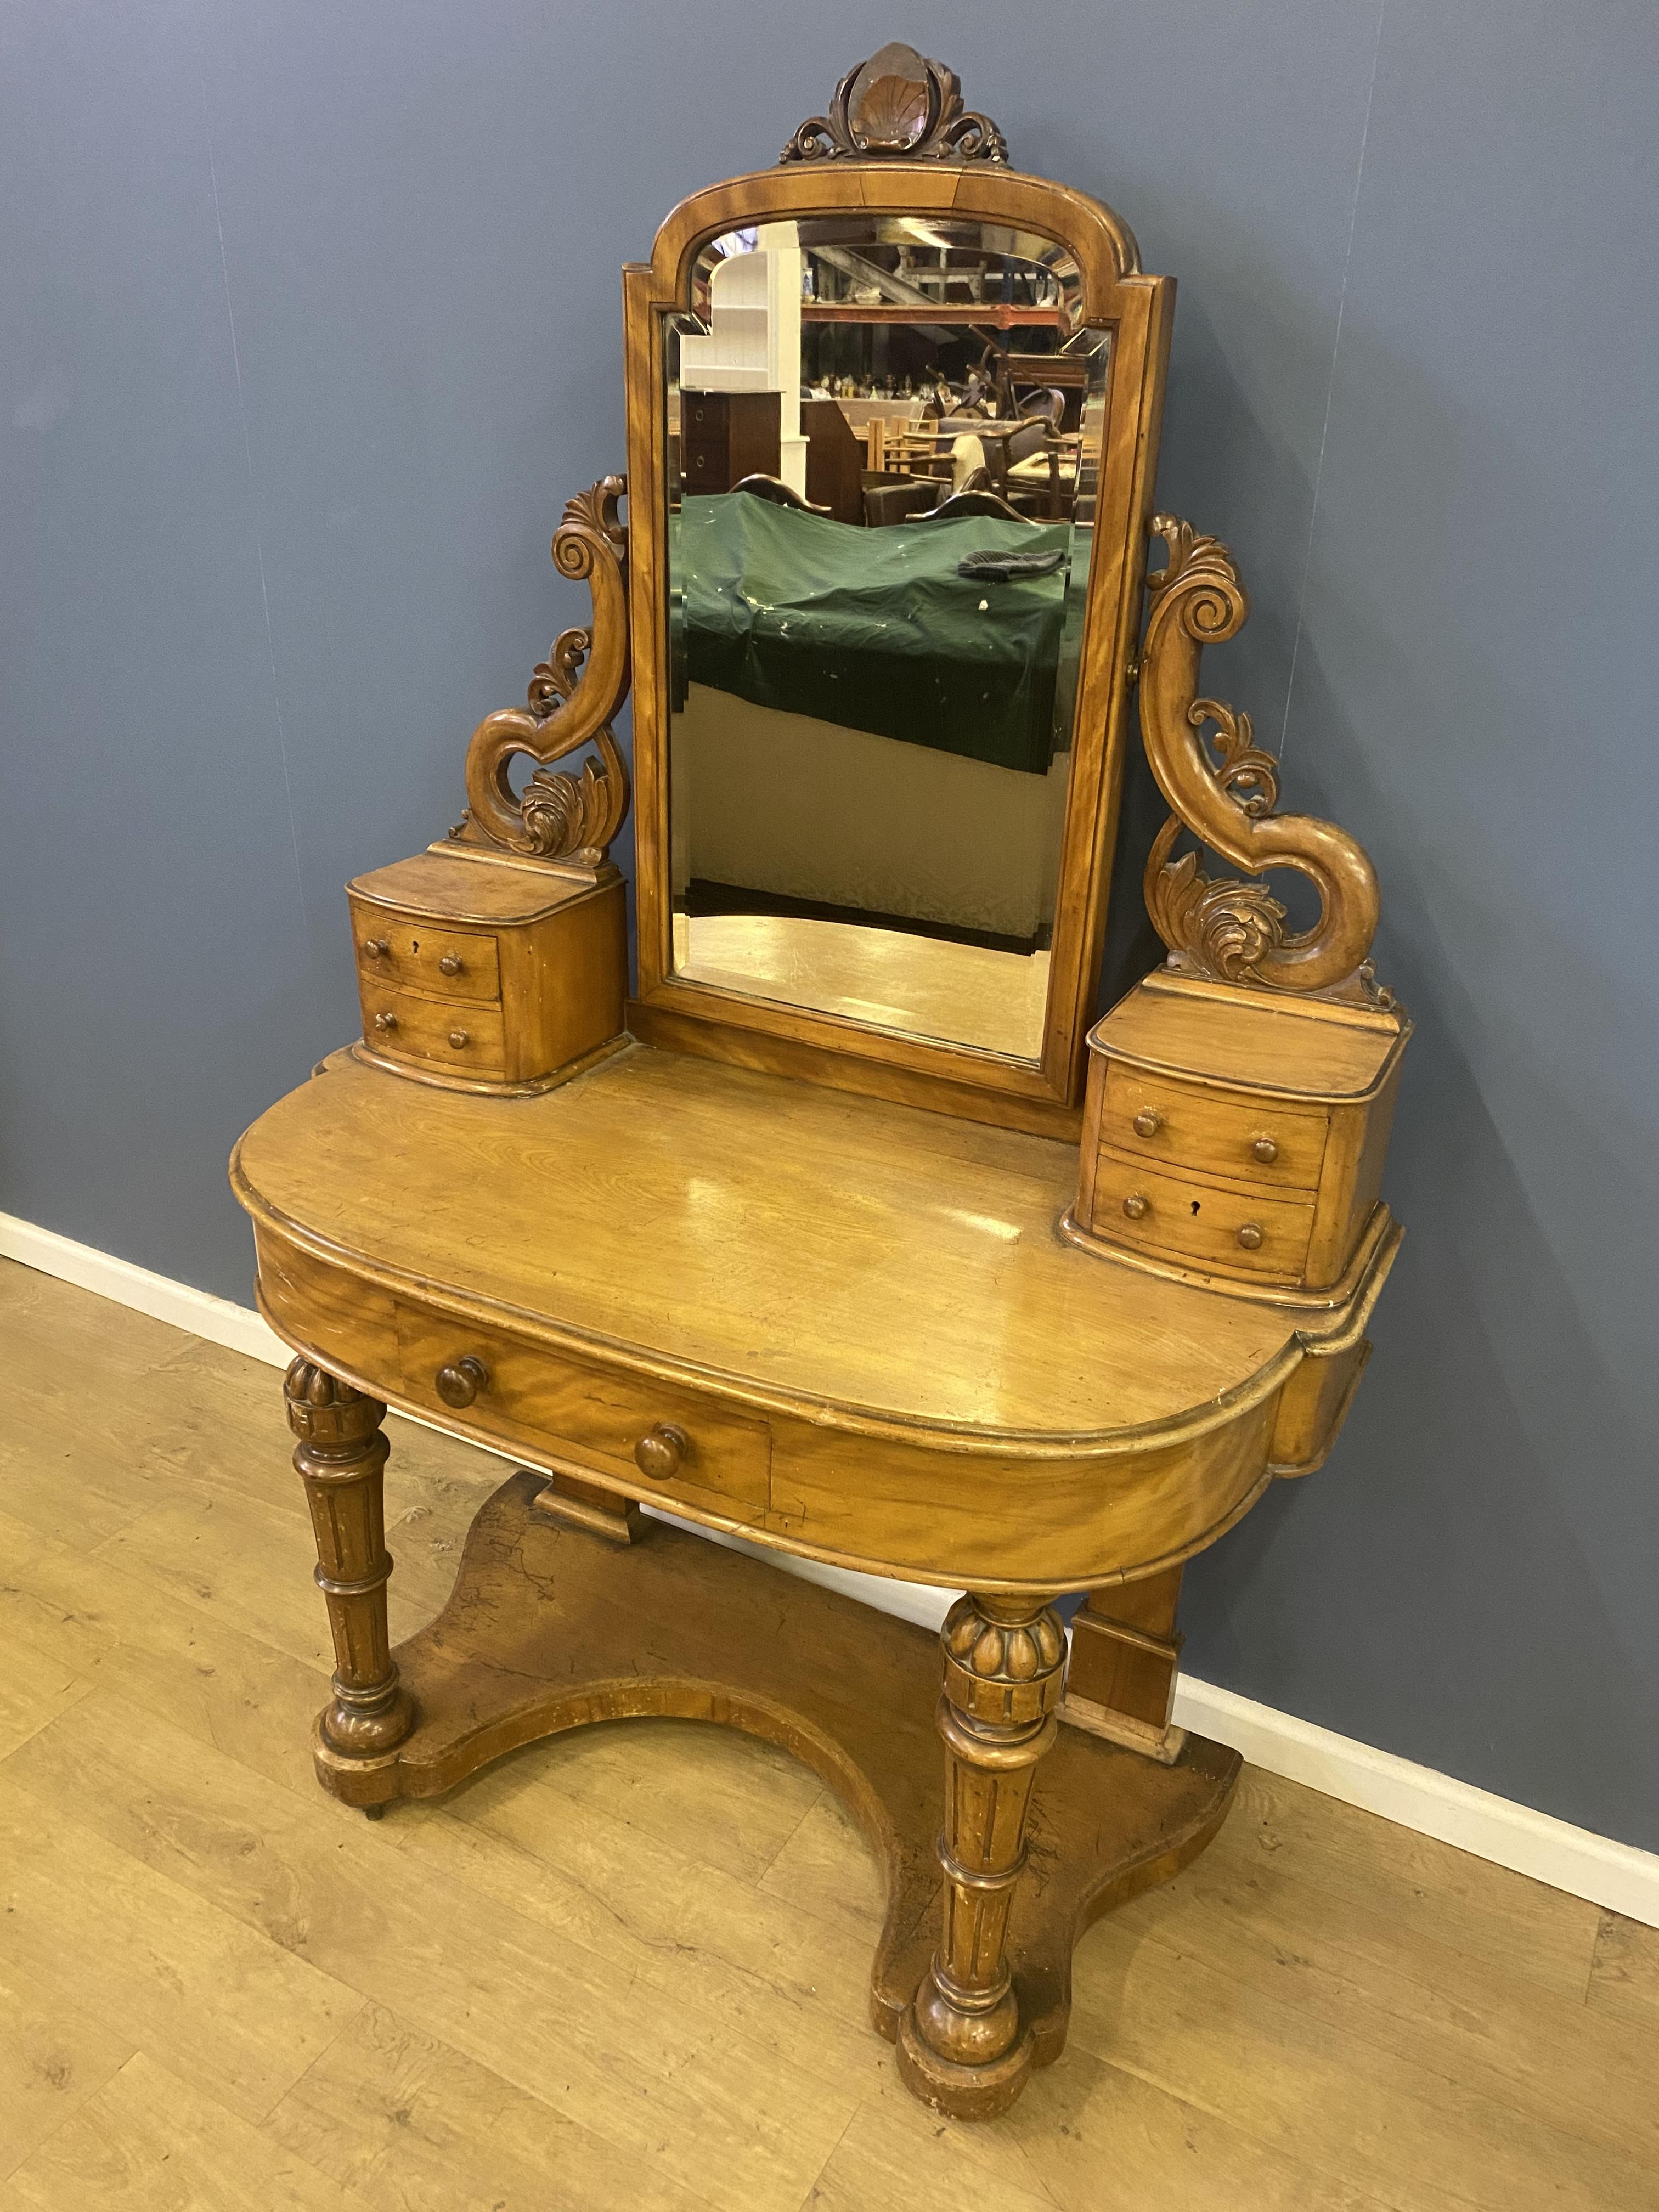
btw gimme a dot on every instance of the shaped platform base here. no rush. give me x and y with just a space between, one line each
550 1628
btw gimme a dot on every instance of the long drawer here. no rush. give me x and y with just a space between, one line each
1258 1141
551 1405
1206 1225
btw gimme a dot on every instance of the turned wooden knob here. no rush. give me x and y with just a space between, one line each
1264 1149
1251 1237
385 1021
660 1451
451 964
460 1382
1134 1206
376 947
1147 1123
459 1039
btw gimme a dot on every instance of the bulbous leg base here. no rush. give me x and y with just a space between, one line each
965 2092
359 1732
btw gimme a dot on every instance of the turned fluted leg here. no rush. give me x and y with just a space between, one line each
963 2046
342 1456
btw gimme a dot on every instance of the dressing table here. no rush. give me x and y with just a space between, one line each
853 1233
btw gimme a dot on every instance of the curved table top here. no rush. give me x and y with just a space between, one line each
836 1256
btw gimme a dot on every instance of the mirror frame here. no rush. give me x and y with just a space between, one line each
1136 311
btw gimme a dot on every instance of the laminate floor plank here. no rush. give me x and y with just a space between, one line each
153 1960
1624 1982
151 2142
1357 1971
1092 2139
731 2118
53 2055
733 1812
823 1867
1336 2098
410 2124
32 1688
1498 1920
102 1622
627 1968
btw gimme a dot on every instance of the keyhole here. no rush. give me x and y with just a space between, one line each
1194 1206
414 945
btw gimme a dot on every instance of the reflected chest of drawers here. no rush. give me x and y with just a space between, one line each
726 436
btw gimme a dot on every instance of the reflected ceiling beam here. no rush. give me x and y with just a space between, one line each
902 295
892 288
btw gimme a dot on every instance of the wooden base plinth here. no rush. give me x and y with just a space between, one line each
550 1627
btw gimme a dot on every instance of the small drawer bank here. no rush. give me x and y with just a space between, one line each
480 972
1237 1137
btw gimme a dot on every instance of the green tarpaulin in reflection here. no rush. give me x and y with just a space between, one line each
874 628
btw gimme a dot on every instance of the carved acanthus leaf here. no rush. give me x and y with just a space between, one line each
898 107
553 680
1227 929
572 697
1224 791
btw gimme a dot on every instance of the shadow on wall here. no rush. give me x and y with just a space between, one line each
1465 1583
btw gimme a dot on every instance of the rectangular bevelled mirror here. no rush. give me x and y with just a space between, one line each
892 422
884 440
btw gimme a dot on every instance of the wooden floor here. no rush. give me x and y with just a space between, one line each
627 1968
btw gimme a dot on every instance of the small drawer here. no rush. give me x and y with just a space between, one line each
552 1406
705 460
1241 1138
462 1039
402 954
1205 1225
704 418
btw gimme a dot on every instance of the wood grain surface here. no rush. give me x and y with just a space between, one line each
878 1348
751 1227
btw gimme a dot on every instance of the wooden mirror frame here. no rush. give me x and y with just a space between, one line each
1136 311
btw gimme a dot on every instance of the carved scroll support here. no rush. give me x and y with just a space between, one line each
1224 795
574 696
963 2045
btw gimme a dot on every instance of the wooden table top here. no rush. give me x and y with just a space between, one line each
822 1250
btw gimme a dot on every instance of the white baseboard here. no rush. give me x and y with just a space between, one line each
1617 1875
238 1328
1612 1874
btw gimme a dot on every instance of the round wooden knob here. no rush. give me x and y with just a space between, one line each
385 1021
1264 1149
460 1383
1147 1123
457 1039
660 1451
1134 1206
451 964
1251 1237
376 947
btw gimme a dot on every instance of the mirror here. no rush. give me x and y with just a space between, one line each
883 436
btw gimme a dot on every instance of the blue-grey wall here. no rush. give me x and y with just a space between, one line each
310 325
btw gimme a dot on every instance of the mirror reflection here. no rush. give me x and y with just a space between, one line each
884 447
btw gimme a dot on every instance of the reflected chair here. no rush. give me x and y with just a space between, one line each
780 494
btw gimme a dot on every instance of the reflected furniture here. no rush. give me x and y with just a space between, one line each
835 460
727 436
856 1236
